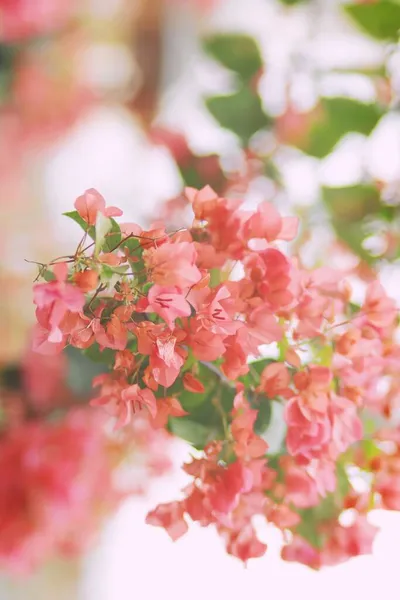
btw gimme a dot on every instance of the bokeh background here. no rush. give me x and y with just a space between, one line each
295 102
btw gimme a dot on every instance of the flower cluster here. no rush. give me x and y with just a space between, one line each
211 328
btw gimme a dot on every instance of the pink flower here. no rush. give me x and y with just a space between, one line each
166 360
173 265
170 517
213 313
306 438
300 488
91 203
300 551
54 300
275 380
346 424
236 479
135 398
205 344
167 407
168 303
378 307
268 224
261 327
244 544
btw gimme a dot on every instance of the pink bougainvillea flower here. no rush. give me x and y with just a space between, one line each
306 438
213 313
168 303
379 309
136 398
167 407
262 327
244 544
205 345
232 481
192 384
300 551
114 335
173 264
91 203
300 488
275 380
170 517
166 359
266 223
54 299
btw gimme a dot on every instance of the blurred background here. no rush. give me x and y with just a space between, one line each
291 101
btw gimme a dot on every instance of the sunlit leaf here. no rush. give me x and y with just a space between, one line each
338 117
238 52
351 203
103 226
240 112
381 20
195 433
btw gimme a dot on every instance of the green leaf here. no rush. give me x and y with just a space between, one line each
47 275
312 518
351 204
81 371
112 238
264 407
240 112
348 206
75 216
252 378
195 433
103 226
235 51
380 20
339 117
109 234
292 2
353 235
11 377
343 484
94 354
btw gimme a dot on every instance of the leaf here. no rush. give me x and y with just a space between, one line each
47 275
75 216
103 226
112 238
252 378
380 20
264 407
81 371
235 51
353 236
348 206
96 355
343 484
370 449
195 433
240 112
311 518
340 116
292 2
351 204
11 377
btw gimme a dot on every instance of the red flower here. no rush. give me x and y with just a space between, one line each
91 203
171 517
